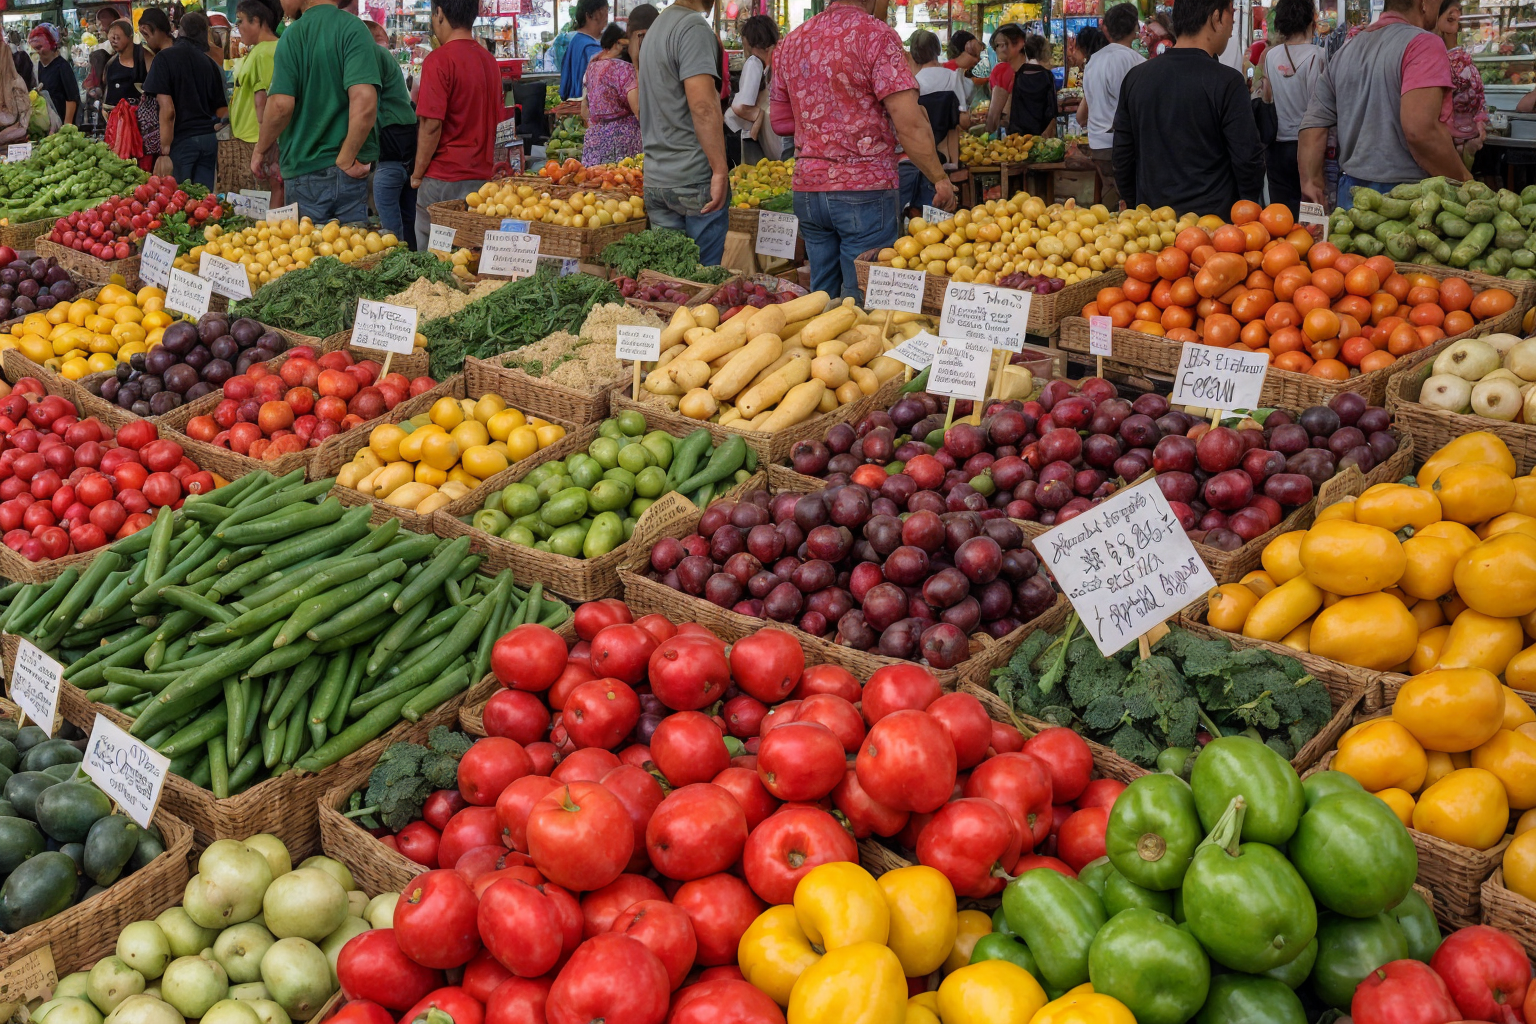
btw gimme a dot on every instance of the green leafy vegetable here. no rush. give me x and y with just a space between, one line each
405 775
664 251
321 299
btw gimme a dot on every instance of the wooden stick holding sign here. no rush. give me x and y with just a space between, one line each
637 344
1101 335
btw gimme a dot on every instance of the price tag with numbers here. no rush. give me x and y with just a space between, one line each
253 207
35 682
1125 564
1101 336
18 151
127 770
638 344
982 312
440 239
228 277
901 290
776 234
509 254
960 369
382 326
188 293
156 259
1219 378
278 214
917 351
935 216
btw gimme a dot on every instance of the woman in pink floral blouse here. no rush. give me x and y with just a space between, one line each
1469 112
610 100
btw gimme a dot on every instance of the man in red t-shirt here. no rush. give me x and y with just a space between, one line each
457 108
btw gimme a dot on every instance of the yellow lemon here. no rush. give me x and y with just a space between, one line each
549 433
470 433
447 413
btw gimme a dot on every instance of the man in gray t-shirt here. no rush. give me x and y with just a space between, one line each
686 183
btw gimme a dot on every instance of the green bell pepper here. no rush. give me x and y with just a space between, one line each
1057 917
1349 948
1326 783
1419 926
1246 903
1243 999
1354 854
1271 790
998 946
1150 964
1295 973
1000 922
1153 830
1119 893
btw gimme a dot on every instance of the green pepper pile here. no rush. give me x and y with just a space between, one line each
1442 223
66 172
1294 891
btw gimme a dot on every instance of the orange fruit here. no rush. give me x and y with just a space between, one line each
1320 324
1329 369
1330 280
1122 313
1428 335
1395 285
1426 314
1323 255
1290 279
1201 254
1356 349
1137 290
1177 316
1420 294
1348 261
1355 306
1309 297
1183 292
1362 281
1162 294
1253 305
1182 334
1229 239
1221 330
1377 360
1383 266
1281 315
1277 219
1090 309
1257 236
1455 293
1457 322
1286 339
1191 238
1295 361
1172 263
1403 340
1491 303
1141 266
1245 211
1149 311
1254 335
1280 256
1259 279
1108 297
1383 305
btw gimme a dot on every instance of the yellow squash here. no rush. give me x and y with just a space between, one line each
1478 447
1516 522
1351 558
1283 609
1382 755
1394 506
1463 536
1374 631
1473 492
1229 605
1467 807
1481 641
1498 577
1512 757
1400 801
1452 709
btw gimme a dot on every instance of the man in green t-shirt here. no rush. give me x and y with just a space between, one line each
393 195
320 112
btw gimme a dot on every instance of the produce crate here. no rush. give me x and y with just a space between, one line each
1523 291
1137 351
697 292
24 235
1046 312
1455 874
83 264
1508 911
1435 428
556 240
528 392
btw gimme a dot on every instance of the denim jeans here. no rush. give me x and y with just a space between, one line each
330 194
678 208
195 158
433 190
395 200
838 227
915 190
1348 182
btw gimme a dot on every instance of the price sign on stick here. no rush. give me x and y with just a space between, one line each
1100 336
636 344
156 260
382 326
126 770
1125 564
509 254
1219 378
776 234
1312 215
441 238
249 206
917 351
188 293
901 290
935 216
227 277
278 214
979 312
35 685
18 151
960 369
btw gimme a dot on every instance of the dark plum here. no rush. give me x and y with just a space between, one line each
1373 419
923 529
850 506
927 501
693 572
1261 464
1223 540
900 639
1288 438
853 631
759 586
1173 423
980 559
1184 514
880 445
751 606
844 463
1316 463
944 645
1007 427
714 517
743 566
1053 494
666 553
883 534
1010 471
906 412
946 587
792 534
1362 457
840 438
1132 464
783 603
785 567
1101 450
1008 535
898 488
1033 597
994 600
1213 520
1074 412
727 541
883 506
814 623
1248 523
1140 431
1219 449
907 566
1018 564
810 511
1087 481
1229 490
1152 405
1320 421
816 574
723 589
964 440
1348 405
959 528
833 602
764 542
965 615
884 604
1344 439
748 514
829 543
1061 445
864 578
1177 486
1383 445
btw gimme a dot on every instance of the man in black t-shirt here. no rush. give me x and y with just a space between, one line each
55 73
192 99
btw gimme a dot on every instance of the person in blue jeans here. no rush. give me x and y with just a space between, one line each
191 95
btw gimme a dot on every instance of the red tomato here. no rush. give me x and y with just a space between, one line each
721 907
521 927
747 787
592 616
729 972
1030 861
1080 838
513 805
435 920
522 872
471 827
724 1001
542 754
865 816
688 747
1403 992
600 713
779 715
1066 756
666 931
483 974
689 671
482 860
898 688
611 977
454 1001
574 674
907 761
419 842
1020 785
828 679
836 714
589 764
372 966
1485 971
600 907
1006 739
973 842
489 766
767 664
518 1001
517 715
640 793
621 650
568 910
1101 793
530 657
966 721
363 1011
698 830
801 760
441 806
783 849
580 836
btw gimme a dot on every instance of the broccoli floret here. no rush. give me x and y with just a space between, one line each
1055 714
443 740
403 801
1259 712
441 765
399 762
1278 744
1105 713
1091 678
1181 722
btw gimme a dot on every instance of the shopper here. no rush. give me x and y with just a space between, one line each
687 185
190 91
1386 92
127 68
938 92
458 106
610 103
1291 70
842 85
320 112
1008 44
253 78
1032 108
1157 36
22 62
1102 80
1185 136
92 117
748 115
393 195
1469 110
55 73
155 31
15 104
591 19
638 23
106 17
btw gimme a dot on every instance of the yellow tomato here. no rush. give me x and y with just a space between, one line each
840 904
1481 641
440 451
548 434
1440 765
1429 563
1350 559
1520 863
1512 757
1282 556
488 405
1468 807
1338 510
501 424
1401 803
1480 446
1229 605
1498 577
447 413
1281 610
1516 521
1374 631
426 473
522 442
1454 710
857 984
1084 1006
1474 492
1516 711
385 440
1381 754
470 433
1394 506
990 992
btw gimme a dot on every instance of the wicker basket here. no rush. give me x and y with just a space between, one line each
1508 911
84 265
1046 312
24 235
375 867
1523 291
698 293
540 394
1435 428
555 239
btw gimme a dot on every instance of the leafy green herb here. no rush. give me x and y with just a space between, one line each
321 299
514 315
664 251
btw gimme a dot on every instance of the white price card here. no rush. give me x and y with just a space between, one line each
256 193
18 151
960 369
776 234
35 685
508 224
387 328
278 214
1219 378
188 293
33 976
981 312
935 216
917 351
156 259
1312 213
227 277
506 132
509 254
127 770
569 265
901 290
441 238
1125 564
1101 333
248 206
638 344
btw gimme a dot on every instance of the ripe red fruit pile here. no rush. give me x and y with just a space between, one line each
266 414
109 231
68 485
568 880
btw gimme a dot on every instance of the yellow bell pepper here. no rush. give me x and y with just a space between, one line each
990 992
927 1000
1451 709
1498 577
1401 803
1439 766
1519 865
1338 510
970 925
1478 447
1228 606
1474 492
774 952
917 1014
1516 711
1374 631
1281 556
1512 757
857 984
840 904
1082 1005
922 905
1394 506
1525 496
1468 807
1481 641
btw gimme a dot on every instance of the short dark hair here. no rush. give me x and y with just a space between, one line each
958 42
1120 21
641 18
1446 5
585 9
458 13
194 26
125 25
1090 40
1190 16
1293 16
1010 32
760 31
109 11
612 34
155 18
1036 46
924 46
258 11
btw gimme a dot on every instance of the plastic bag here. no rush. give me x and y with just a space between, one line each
45 120
122 135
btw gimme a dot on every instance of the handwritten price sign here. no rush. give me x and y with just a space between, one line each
1219 378
126 770
980 312
382 326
